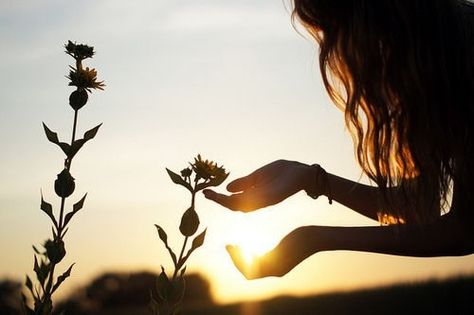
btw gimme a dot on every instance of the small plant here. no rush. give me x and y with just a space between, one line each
54 250
166 297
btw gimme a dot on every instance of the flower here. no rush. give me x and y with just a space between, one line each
207 170
85 79
79 51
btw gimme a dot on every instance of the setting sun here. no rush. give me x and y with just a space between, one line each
255 241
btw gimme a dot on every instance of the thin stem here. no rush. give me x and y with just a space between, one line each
74 127
61 216
179 265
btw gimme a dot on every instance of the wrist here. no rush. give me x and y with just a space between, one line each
317 182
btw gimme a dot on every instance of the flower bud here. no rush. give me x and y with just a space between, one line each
55 250
78 99
189 222
186 172
64 184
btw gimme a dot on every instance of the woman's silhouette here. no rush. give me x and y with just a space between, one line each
403 73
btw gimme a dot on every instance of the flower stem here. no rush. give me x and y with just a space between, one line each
74 127
61 216
180 263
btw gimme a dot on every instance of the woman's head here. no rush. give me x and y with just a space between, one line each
403 72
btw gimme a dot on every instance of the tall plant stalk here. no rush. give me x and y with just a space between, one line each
47 259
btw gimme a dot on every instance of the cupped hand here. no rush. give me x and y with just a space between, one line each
292 250
266 186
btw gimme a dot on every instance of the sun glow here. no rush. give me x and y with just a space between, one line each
255 241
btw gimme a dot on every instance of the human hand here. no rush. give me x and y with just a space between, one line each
292 250
266 186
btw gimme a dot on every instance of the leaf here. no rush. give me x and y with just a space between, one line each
36 250
41 270
29 284
51 135
65 147
76 146
77 206
62 277
36 267
24 305
164 239
199 240
162 234
213 182
163 286
182 272
90 134
48 209
179 180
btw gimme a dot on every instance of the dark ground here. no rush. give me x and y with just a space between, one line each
114 294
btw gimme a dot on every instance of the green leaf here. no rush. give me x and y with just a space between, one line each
179 180
61 278
77 206
51 135
90 134
48 209
189 222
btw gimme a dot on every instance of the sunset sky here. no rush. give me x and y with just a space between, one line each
231 80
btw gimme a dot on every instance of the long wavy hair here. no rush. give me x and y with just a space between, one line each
403 73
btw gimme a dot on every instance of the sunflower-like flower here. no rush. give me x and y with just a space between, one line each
85 79
208 170
79 51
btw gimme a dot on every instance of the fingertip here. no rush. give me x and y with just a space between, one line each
230 247
233 187
209 194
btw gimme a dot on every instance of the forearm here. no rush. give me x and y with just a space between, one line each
445 237
361 198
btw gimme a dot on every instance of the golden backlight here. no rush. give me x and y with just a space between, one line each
255 240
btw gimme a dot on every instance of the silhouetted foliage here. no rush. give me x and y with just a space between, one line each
129 290
10 292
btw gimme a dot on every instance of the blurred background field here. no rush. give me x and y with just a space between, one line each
126 294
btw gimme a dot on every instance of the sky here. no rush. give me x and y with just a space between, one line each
231 80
